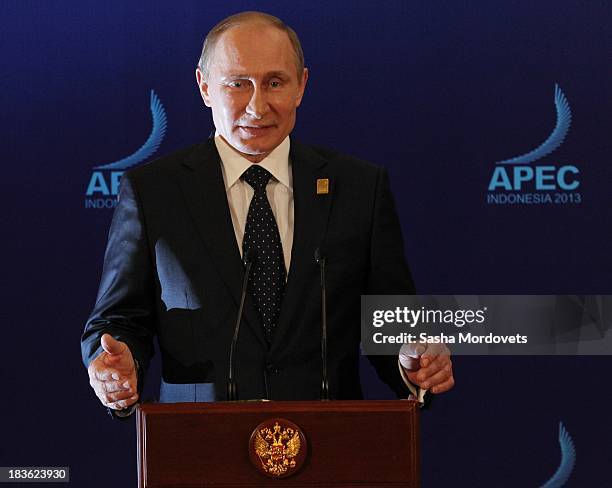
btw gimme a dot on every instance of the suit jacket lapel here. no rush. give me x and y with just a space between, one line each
310 226
202 183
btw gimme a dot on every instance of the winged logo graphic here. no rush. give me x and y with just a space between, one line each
158 131
556 137
277 448
568 460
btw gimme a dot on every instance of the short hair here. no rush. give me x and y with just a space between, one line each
242 18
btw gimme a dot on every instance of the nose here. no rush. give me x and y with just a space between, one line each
258 104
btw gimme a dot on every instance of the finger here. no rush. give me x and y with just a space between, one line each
447 385
113 386
438 378
437 364
122 403
432 351
99 388
412 377
106 374
117 396
111 345
427 359
113 397
121 385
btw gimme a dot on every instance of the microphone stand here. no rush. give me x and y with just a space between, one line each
320 260
232 389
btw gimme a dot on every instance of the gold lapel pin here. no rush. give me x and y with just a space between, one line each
322 186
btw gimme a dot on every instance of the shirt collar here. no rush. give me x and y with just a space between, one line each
277 162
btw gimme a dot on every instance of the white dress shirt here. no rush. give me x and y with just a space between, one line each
279 190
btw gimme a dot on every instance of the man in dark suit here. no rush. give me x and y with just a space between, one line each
184 224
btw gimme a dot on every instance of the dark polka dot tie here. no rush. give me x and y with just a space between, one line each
268 274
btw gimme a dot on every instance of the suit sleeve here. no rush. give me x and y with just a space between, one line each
388 273
125 305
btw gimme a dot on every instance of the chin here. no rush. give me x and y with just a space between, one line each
256 149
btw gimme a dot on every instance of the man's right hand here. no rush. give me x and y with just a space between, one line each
113 375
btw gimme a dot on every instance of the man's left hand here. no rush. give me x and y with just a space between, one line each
434 370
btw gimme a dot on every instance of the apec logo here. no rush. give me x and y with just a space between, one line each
103 186
516 181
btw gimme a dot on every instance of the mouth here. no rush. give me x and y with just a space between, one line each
255 130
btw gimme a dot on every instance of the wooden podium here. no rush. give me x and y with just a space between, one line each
347 444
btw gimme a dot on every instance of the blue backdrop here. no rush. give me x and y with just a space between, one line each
438 92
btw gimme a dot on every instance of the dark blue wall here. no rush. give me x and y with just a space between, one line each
435 91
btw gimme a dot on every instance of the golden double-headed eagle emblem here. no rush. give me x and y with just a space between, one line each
277 448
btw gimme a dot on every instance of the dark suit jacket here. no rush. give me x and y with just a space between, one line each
172 268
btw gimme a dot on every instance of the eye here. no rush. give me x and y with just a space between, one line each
275 84
235 84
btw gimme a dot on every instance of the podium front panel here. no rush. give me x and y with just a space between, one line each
357 444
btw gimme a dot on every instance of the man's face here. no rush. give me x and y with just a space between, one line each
253 88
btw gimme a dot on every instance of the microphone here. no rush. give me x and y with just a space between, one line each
232 389
320 260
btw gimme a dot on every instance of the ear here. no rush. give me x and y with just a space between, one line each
301 88
203 87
